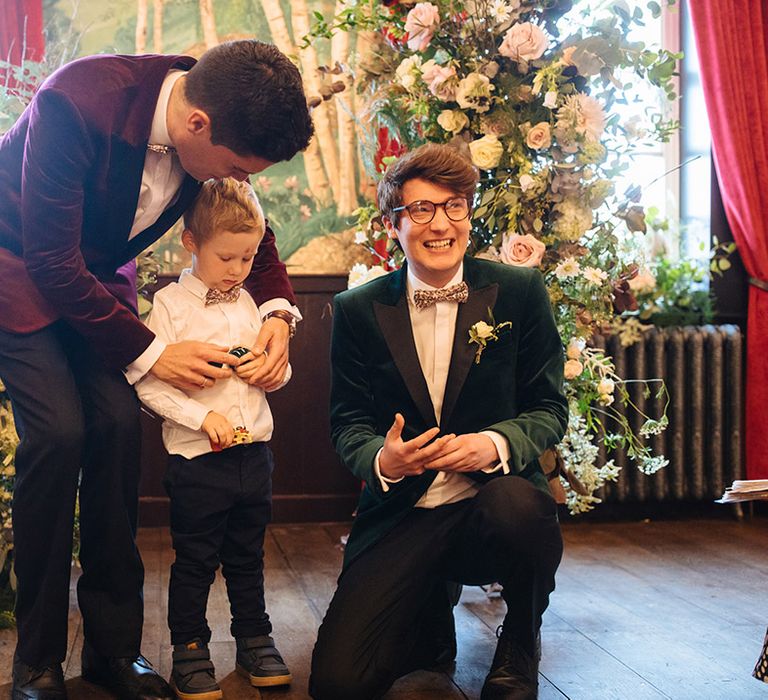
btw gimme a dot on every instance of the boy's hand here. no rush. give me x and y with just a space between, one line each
465 453
185 364
250 365
399 458
219 430
273 337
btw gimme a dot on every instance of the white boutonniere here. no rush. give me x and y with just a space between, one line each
481 333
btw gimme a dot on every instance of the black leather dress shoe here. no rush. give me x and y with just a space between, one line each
514 674
37 683
128 678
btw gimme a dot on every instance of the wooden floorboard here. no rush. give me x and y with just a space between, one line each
642 610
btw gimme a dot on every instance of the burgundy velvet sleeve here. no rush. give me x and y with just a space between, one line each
269 278
58 155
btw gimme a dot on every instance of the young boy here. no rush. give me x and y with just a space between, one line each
471 506
220 490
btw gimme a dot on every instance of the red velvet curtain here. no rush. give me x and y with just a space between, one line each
21 33
732 41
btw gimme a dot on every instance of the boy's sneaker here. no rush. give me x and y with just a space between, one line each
193 676
259 660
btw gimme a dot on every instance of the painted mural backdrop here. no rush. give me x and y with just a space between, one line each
311 196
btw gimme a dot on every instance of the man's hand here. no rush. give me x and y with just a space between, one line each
465 453
185 364
273 337
219 430
400 458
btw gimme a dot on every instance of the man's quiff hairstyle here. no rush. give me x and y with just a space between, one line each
254 97
439 164
224 205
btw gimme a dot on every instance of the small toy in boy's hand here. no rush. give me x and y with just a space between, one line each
242 436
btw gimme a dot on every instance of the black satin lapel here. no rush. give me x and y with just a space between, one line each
395 324
463 354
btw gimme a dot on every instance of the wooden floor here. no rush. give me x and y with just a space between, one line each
642 610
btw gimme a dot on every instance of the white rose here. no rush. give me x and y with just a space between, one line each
573 351
483 330
526 182
408 70
523 42
453 120
360 274
605 386
486 152
474 92
573 368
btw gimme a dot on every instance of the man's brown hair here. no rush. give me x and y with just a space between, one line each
224 205
439 164
254 97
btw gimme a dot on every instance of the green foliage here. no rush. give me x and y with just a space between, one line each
295 214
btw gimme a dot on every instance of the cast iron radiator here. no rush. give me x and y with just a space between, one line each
703 369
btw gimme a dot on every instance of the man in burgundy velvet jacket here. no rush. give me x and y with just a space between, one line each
104 160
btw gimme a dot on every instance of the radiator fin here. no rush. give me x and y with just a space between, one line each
703 370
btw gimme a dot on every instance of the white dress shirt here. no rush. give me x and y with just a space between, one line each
179 313
161 181
433 332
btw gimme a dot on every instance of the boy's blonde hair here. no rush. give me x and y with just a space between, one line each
224 205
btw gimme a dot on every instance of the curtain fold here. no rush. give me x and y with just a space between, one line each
732 41
21 34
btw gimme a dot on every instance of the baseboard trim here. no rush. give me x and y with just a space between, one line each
154 511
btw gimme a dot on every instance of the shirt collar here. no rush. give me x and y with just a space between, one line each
192 283
414 283
159 133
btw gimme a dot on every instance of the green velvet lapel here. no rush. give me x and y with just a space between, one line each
463 354
395 323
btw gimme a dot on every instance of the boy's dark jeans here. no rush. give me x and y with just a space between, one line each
221 503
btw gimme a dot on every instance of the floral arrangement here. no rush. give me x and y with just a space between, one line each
528 89
8 443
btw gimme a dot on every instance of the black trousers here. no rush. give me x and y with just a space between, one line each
221 503
386 599
76 418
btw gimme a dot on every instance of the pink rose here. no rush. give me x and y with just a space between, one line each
572 369
420 24
539 136
523 42
521 251
441 81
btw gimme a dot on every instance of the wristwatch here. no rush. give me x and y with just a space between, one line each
286 316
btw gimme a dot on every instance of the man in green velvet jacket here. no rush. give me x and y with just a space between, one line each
445 431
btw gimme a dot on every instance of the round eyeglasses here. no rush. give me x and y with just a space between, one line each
423 211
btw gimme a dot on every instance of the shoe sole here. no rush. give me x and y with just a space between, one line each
264 681
208 695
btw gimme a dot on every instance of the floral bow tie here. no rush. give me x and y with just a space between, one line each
424 298
161 148
216 296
